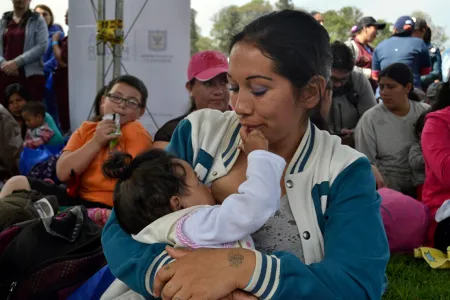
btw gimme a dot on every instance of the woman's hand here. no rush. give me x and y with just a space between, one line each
205 274
378 177
10 68
56 36
105 132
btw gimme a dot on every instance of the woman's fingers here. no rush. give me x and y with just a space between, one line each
177 253
172 290
243 133
162 277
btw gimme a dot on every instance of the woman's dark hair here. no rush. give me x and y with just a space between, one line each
193 106
297 55
145 186
133 82
427 35
19 90
47 9
442 101
342 57
403 75
35 108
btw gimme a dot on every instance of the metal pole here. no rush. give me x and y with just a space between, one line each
101 12
117 50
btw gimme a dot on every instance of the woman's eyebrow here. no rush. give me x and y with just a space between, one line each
253 77
258 76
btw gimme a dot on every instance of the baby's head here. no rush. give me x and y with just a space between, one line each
33 114
151 186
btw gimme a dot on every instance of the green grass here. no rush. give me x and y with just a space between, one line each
413 279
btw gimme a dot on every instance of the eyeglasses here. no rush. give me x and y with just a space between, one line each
342 81
131 102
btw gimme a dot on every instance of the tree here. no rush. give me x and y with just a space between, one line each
284 4
206 43
194 32
383 34
232 19
438 35
339 23
226 23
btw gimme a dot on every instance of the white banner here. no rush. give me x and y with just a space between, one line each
156 51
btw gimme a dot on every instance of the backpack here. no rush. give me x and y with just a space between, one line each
21 206
49 258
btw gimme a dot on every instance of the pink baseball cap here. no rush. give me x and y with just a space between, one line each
206 65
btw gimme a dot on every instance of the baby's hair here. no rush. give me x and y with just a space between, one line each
145 186
35 108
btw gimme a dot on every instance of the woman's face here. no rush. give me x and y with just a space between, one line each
371 32
210 94
263 99
394 94
45 14
16 104
21 4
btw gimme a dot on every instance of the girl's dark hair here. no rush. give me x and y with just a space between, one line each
47 9
97 105
296 43
145 186
442 101
342 57
133 82
427 35
402 74
17 89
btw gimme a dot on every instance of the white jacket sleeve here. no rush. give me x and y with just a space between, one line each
240 214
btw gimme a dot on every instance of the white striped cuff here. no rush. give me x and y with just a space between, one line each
160 261
266 277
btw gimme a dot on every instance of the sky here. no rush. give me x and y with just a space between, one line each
385 9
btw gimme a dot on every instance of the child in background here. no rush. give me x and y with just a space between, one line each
88 148
38 131
160 199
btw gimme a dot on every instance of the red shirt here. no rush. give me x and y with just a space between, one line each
13 40
436 153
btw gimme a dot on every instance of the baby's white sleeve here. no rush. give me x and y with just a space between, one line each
240 214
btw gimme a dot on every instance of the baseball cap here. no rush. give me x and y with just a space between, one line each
370 21
433 89
206 65
419 23
405 23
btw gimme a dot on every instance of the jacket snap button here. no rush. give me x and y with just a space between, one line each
306 235
214 173
289 184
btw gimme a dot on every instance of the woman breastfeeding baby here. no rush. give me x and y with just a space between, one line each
326 240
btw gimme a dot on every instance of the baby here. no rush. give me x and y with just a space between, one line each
159 198
38 132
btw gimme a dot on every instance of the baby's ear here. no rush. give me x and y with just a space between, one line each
175 203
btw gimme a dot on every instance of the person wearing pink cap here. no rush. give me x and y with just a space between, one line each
207 87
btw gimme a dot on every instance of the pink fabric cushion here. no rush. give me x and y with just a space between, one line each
405 220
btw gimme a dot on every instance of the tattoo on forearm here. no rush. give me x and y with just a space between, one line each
235 259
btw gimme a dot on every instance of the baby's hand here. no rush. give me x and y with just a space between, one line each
255 140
